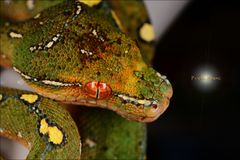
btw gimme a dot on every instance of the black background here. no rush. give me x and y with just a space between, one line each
199 125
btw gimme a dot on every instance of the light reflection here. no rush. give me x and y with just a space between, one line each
206 78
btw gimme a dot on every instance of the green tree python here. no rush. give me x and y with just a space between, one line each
88 53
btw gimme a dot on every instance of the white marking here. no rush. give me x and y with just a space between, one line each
37 16
164 77
120 95
1 130
92 102
125 98
15 69
49 45
31 49
90 143
15 35
55 39
1 96
158 74
41 23
80 147
137 101
147 103
23 75
54 83
19 134
86 52
82 51
94 32
133 100
79 8
167 81
101 38
30 4
48 82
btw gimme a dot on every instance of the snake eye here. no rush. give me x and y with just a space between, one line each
97 90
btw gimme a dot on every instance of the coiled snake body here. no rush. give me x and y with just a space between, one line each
78 52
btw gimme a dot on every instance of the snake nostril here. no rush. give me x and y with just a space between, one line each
97 90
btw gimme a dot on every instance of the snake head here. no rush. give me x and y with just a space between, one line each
78 57
153 95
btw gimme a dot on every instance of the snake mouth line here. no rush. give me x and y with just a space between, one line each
124 97
150 109
146 117
45 81
136 101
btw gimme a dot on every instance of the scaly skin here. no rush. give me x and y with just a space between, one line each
20 120
103 134
123 139
127 10
76 46
113 137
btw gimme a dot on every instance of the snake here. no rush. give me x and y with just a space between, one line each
94 54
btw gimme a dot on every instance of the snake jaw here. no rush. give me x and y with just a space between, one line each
159 106
156 92
141 112
131 108
158 109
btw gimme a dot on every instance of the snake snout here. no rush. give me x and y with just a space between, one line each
158 107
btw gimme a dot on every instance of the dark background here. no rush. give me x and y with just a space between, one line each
199 125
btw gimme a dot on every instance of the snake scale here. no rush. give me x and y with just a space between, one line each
85 52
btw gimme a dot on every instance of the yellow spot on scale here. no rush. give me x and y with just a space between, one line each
55 135
1 96
30 98
43 126
115 17
15 35
91 3
147 32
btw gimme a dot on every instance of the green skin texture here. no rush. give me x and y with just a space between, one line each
127 10
114 61
91 121
16 118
